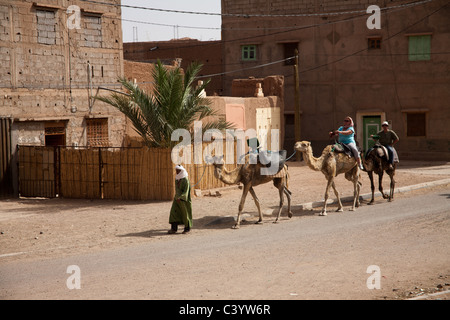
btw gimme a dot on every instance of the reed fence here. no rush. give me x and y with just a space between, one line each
107 173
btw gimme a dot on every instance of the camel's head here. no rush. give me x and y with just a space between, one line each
302 146
217 162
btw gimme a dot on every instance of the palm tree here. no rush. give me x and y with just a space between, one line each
174 104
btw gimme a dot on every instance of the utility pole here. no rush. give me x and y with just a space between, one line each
297 103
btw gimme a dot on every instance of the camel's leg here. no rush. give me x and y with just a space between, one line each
380 185
358 191
392 187
324 210
372 186
241 205
255 198
354 177
281 192
288 196
340 206
356 188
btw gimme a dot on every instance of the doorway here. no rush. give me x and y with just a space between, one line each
371 125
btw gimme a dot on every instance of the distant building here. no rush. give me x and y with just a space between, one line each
186 50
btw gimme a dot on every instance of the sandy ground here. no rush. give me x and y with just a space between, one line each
46 228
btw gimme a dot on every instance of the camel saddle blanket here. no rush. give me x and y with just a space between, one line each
280 174
339 147
278 158
383 152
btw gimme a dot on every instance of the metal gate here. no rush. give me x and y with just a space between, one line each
37 171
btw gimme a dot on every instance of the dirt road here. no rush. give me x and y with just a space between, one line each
307 257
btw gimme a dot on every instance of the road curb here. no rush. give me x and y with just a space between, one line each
366 196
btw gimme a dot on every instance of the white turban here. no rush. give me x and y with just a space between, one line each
183 173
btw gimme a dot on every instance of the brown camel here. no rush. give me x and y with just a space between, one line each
376 161
250 176
331 164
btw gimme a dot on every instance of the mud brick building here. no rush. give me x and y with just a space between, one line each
49 71
208 53
52 60
399 73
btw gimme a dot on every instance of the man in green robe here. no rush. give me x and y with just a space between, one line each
181 211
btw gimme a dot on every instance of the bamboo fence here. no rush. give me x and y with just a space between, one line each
109 173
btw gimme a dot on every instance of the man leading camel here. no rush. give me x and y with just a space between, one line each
181 211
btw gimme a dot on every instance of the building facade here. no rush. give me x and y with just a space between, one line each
54 54
398 73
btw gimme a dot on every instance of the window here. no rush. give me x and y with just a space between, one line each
55 134
289 52
248 53
92 30
97 132
46 26
419 47
416 124
374 43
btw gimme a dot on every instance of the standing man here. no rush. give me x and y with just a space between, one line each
388 138
181 211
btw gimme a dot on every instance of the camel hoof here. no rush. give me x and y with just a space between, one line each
290 215
259 222
322 214
276 221
370 203
236 226
340 210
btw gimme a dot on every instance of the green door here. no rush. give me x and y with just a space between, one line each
371 125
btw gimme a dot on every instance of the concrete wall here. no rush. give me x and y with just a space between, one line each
228 106
339 75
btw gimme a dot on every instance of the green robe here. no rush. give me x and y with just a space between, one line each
181 211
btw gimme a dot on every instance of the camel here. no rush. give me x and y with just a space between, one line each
249 175
331 164
376 161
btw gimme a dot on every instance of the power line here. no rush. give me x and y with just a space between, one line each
76 86
284 30
366 49
249 68
245 15
340 59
